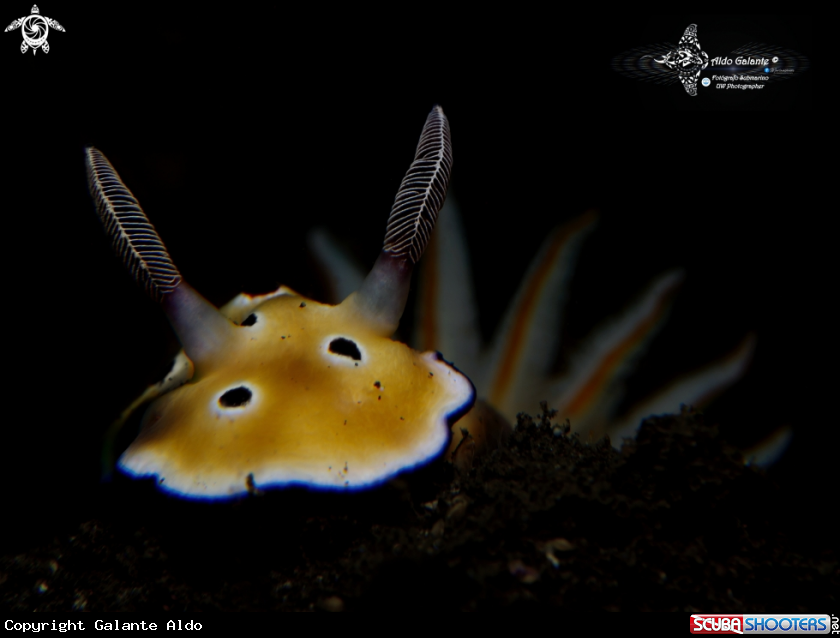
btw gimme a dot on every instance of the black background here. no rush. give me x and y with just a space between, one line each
238 130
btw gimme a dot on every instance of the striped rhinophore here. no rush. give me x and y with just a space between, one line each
132 235
422 191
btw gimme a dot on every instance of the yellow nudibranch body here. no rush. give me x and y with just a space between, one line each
276 390
304 393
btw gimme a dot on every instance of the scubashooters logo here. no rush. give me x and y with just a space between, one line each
755 65
688 60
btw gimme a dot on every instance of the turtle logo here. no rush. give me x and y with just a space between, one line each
35 29
688 59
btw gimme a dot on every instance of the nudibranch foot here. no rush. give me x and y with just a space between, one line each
486 427
279 390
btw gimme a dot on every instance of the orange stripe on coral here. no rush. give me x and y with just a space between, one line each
605 372
527 306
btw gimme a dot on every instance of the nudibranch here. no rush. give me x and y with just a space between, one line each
276 389
514 372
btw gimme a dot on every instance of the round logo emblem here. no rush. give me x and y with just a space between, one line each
35 30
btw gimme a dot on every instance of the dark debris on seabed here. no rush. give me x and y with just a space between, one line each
673 522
